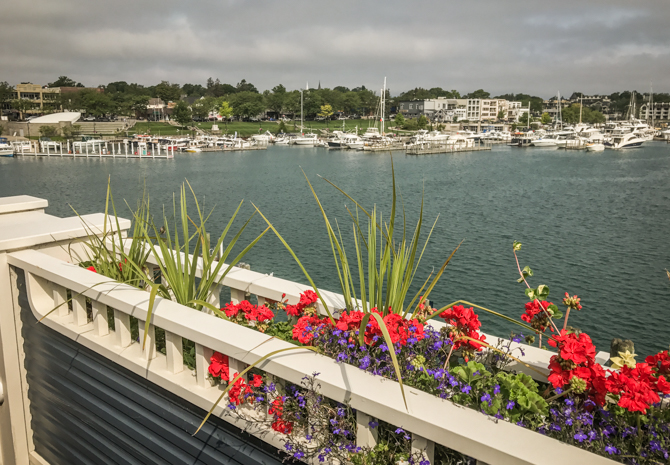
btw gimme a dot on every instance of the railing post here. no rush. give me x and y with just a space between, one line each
202 356
122 328
60 299
79 309
174 351
100 318
366 435
236 295
214 298
423 446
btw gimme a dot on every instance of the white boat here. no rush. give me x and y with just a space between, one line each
595 147
266 137
549 140
6 149
305 139
625 141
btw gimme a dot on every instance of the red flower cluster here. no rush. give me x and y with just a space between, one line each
92 268
572 302
245 312
307 326
240 392
218 366
277 410
576 359
536 315
637 388
465 322
350 321
307 301
660 363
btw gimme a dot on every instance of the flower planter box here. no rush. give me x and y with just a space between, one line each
428 418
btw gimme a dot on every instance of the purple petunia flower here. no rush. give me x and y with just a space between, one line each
466 389
486 398
399 431
510 405
496 390
300 454
580 436
373 424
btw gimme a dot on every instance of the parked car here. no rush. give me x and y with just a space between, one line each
89 118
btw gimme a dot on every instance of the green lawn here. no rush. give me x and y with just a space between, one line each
248 129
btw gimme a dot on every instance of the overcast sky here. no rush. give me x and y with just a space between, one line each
539 47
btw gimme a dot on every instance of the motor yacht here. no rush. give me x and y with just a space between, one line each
595 147
6 149
549 140
624 141
305 139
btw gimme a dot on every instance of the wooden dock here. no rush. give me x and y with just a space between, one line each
444 148
233 149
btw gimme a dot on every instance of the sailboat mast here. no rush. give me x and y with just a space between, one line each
560 116
383 104
301 105
651 104
581 104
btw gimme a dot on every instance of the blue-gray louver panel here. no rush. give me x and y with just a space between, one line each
88 410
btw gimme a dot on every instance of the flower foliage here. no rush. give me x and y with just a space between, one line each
464 322
248 314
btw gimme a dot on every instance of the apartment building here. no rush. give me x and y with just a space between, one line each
659 113
38 95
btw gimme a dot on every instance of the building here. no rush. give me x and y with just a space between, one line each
660 112
440 109
38 95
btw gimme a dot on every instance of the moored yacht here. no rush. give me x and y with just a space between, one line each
625 141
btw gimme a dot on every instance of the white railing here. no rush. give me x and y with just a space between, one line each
430 419
266 287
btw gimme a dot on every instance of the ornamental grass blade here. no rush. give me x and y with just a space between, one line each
439 273
213 308
150 312
242 373
295 257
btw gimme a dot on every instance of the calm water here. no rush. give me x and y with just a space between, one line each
592 224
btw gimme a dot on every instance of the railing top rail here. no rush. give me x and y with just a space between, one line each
438 420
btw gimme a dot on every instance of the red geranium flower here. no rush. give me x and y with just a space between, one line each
92 268
218 366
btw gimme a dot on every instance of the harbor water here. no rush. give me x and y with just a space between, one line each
592 224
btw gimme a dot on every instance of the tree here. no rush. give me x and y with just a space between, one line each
193 90
225 112
282 127
545 118
64 81
524 118
480 93
247 104
94 102
202 107
422 122
48 131
6 92
244 86
501 114
275 100
399 120
167 92
22 105
326 112
182 113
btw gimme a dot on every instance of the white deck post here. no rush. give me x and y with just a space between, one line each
149 351
100 318
421 445
236 296
122 328
202 356
174 351
366 436
79 309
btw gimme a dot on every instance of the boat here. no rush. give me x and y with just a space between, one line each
625 141
522 140
549 140
193 149
595 147
6 149
263 138
305 139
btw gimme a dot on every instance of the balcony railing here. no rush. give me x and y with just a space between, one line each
429 419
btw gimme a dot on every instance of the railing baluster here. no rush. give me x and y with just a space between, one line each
174 351
100 318
235 367
202 356
60 300
366 436
214 298
122 328
149 351
237 295
79 309
421 445
261 301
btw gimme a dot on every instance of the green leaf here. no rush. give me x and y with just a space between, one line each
531 293
517 246
542 292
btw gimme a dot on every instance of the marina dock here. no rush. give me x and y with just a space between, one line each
429 149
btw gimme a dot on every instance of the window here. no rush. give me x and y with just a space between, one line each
411 106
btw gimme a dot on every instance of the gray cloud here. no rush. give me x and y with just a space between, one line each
512 46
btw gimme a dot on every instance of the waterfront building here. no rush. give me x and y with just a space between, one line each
38 95
659 113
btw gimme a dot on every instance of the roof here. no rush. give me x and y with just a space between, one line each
68 116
